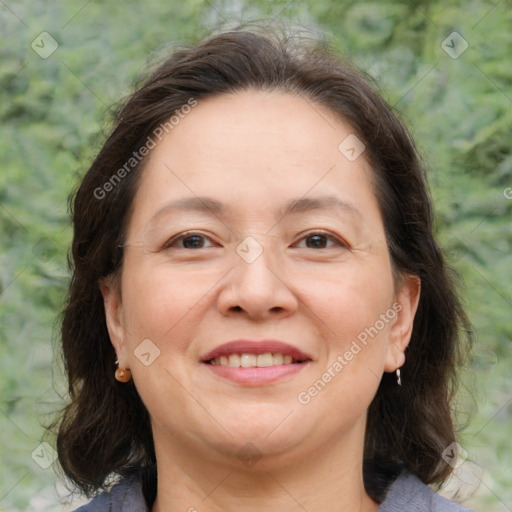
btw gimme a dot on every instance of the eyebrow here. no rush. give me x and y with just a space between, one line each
300 205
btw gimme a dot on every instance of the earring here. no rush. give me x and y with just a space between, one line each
122 374
398 379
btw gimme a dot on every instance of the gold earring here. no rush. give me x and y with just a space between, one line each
122 374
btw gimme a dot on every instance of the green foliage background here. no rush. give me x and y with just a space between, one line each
55 113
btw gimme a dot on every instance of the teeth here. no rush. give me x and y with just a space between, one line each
234 360
253 360
264 360
247 360
278 358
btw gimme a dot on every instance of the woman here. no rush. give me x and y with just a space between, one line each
259 316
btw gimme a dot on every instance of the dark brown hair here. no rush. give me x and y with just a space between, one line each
105 428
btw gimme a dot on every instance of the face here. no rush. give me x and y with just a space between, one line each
251 224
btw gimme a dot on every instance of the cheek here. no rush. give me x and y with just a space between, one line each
156 300
354 345
349 299
348 307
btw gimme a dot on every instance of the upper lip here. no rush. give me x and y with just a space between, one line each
256 347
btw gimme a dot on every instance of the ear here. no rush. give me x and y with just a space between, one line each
405 306
114 315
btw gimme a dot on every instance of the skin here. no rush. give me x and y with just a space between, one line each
254 151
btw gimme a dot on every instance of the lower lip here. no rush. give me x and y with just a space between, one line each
256 376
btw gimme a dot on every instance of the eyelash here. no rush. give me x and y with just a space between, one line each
190 234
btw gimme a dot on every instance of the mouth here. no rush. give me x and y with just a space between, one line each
255 362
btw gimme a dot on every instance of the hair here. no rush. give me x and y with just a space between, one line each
105 429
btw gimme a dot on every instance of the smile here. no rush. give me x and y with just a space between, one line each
254 360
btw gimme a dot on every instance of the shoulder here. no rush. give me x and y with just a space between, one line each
409 493
126 496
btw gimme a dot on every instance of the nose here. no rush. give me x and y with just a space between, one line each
258 284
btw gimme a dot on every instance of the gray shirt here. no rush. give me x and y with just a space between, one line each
407 494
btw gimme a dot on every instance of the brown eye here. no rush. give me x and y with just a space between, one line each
320 240
187 241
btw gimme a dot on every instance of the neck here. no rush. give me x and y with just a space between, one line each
206 482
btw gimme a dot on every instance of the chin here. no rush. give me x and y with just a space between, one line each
259 454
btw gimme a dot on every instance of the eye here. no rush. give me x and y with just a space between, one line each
196 240
318 240
190 240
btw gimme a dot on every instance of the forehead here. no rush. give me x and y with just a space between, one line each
257 149
267 126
